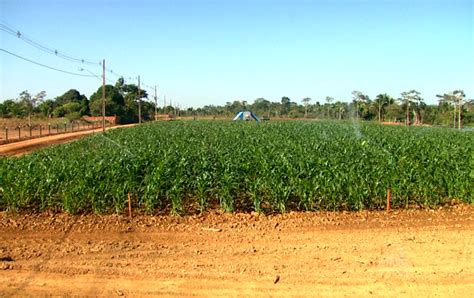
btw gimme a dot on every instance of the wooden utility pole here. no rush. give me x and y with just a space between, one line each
139 103
103 95
164 104
156 104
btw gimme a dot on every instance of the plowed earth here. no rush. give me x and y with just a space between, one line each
411 252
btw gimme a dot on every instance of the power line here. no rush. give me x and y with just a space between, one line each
4 26
119 75
12 31
46 66
92 74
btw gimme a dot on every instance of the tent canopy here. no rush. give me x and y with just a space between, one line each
246 116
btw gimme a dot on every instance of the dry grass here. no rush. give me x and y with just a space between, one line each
12 123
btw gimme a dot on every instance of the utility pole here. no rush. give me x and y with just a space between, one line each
103 95
156 104
139 103
164 104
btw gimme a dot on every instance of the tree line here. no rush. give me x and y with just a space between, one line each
409 108
121 101
452 109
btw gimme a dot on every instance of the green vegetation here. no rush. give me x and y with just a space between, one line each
453 109
269 167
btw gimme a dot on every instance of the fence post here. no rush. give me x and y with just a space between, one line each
30 128
19 132
49 129
65 127
6 133
388 199
41 131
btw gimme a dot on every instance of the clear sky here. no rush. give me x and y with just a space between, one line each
211 52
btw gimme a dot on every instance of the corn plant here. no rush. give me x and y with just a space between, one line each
268 167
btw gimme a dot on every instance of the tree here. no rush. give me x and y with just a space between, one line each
306 101
276 108
329 99
285 105
448 99
459 100
382 100
408 98
394 112
130 95
29 102
358 99
227 108
456 98
114 102
73 96
11 108
261 105
120 83
340 109
47 107
318 110
419 110
236 106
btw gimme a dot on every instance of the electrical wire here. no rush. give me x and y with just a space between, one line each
12 31
4 26
92 74
44 65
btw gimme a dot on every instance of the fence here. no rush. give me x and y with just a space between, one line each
25 132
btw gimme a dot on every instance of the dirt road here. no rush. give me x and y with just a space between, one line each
28 146
408 253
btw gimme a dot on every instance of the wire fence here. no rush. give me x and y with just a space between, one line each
26 132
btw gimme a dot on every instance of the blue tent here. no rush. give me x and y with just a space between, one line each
246 116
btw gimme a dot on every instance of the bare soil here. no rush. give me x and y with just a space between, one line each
424 253
18 129
31 145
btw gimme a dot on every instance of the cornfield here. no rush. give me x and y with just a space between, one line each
180 167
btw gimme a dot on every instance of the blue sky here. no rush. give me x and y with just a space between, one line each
211 52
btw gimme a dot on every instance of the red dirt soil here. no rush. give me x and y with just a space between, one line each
29 146
411 252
